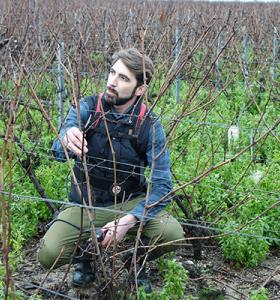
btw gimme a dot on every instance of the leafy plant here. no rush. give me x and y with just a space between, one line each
175 277
246 246
19 295
260 294
53 177
174 281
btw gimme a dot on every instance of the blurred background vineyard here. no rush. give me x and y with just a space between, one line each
216 90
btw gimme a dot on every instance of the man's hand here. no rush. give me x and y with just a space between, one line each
73 140
120 227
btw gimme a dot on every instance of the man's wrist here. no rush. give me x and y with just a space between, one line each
130 219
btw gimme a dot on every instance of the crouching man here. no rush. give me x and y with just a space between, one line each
120 138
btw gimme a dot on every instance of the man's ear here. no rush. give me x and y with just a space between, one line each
141 90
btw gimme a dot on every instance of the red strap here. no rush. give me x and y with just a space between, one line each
142 113
97 111
98 103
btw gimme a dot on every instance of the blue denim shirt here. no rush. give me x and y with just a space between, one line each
161 182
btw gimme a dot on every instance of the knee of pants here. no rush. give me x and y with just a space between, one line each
48 254
173 232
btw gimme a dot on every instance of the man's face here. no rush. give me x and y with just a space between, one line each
121 84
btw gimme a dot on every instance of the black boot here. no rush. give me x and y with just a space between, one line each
83 275
143 281
142 278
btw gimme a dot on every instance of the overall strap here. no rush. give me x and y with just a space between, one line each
97 114
141 114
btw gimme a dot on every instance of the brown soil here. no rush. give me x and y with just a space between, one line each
209 278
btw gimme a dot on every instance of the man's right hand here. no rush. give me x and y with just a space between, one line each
73 140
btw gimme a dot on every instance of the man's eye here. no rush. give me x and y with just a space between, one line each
124 78
112 71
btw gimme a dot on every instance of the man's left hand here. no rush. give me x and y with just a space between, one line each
118 228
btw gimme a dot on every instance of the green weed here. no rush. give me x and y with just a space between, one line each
260 294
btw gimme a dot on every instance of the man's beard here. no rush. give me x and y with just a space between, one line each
115 100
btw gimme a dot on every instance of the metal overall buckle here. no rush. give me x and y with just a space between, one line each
116 189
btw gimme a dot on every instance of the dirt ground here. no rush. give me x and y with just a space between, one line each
212 277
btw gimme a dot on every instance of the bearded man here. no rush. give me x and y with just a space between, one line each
119 137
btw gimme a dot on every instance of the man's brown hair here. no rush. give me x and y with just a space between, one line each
134 61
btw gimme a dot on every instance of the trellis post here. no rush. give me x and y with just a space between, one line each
217 63
274 52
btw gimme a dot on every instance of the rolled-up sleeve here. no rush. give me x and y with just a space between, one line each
161 182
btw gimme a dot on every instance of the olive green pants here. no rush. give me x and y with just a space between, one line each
59 242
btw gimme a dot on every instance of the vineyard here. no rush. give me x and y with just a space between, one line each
216 91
